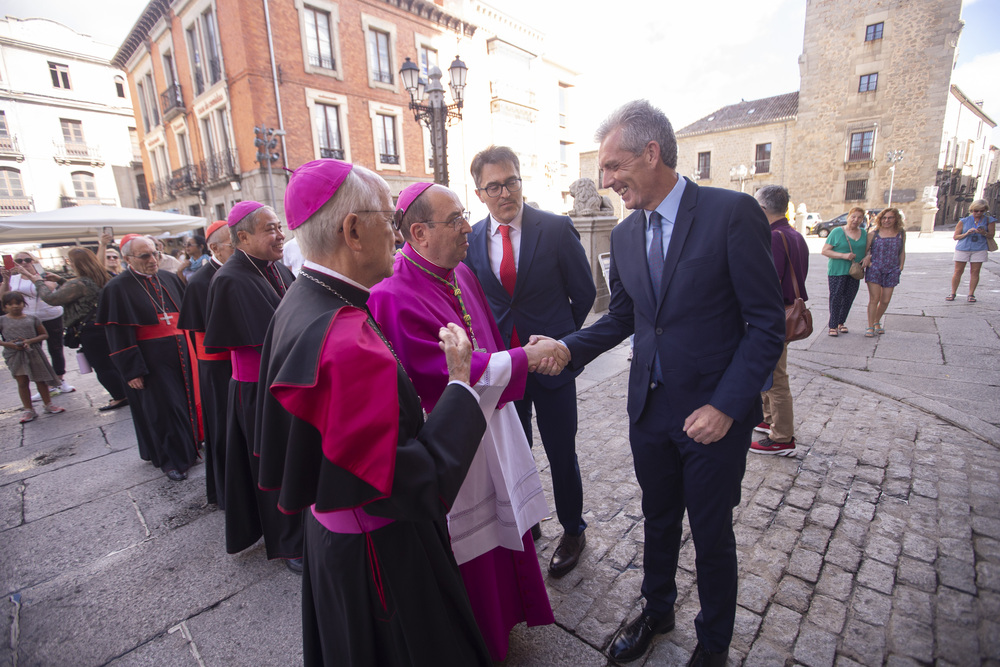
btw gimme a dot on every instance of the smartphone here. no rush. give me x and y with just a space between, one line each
8 262
110 231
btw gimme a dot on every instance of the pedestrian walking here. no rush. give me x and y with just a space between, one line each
842 246
22 352
885 254
972 233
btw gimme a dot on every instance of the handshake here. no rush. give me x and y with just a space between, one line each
546 355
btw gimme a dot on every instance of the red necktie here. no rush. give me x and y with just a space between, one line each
508 275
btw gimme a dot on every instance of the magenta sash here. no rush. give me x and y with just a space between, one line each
350 521
246 364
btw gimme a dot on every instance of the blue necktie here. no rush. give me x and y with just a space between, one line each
655 260
655 256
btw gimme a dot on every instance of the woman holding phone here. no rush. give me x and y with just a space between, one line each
50 316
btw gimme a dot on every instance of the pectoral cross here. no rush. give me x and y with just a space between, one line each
166 319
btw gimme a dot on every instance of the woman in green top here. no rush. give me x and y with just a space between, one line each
842 246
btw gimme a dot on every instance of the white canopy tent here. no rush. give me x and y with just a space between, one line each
85 223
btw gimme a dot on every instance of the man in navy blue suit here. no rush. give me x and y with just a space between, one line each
692 276
537 279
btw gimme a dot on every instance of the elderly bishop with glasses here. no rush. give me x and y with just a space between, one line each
138 310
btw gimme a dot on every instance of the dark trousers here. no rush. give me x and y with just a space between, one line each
95 348
843 289
556 416
675 473
54 328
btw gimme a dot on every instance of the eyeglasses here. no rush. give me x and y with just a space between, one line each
112 258
394 218
494 189
456 221
146 256
24 260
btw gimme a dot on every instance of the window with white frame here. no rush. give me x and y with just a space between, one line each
60 75
10 183
326 118
380 41
84 185
120 86
319 24
428 59
387 134
203 50
72 131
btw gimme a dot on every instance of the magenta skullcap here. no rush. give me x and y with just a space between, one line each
409 195
310 186
242 210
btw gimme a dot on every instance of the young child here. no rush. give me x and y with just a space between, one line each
22 350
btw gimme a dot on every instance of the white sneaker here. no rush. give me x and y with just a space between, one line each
66 388
36 397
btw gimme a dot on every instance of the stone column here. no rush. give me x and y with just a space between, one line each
595 235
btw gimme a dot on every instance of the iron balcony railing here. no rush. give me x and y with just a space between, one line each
185 179
159 190
16 205
219 166
334 153
171 101
389 158
78 153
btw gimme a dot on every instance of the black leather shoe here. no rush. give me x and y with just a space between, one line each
294 564
112 405
632 641
702 657
536 532
176 476
567 554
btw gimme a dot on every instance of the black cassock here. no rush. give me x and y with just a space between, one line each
146 343
214 372
391 595
241 300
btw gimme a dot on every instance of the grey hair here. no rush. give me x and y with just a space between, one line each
127 248
361 190
219 238
640 122
248 224
773 198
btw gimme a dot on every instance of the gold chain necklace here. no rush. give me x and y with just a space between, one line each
371 320
280 279
163 305
457 292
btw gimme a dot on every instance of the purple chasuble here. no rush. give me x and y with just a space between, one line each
411 306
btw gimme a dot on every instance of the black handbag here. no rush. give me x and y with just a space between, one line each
73 336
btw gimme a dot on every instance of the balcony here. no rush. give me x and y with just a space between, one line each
159 190
16 205
333 153
78 153
388 158
172 102
185 180
10 149
65 201
316 60
763 166
219 166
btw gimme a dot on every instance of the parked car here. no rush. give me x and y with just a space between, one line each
823 229
812 219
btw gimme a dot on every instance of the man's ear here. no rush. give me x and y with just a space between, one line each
482 195
418 234
652 152
351 229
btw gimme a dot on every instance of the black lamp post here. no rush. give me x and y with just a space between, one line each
435 114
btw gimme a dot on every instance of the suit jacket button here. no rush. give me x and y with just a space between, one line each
659 331
652 385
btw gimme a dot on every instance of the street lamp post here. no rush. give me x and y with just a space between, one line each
742 174
266 142
435 114
892 157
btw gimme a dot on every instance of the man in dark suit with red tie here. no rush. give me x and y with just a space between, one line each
537 279
692 276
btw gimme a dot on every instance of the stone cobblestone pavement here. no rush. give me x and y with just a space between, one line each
878 543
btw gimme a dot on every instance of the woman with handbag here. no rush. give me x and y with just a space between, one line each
844 271
885 254
974 234
78 297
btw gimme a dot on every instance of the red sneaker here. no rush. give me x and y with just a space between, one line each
767 446
763 427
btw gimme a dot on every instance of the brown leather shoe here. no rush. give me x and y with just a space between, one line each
567 554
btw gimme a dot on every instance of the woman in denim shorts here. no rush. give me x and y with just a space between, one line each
885 253
971 233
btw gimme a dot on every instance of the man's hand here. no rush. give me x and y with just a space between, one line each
707 425
107 239
457 352
546 355
137 383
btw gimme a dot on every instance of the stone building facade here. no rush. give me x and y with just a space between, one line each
207 73
875 77
66 125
